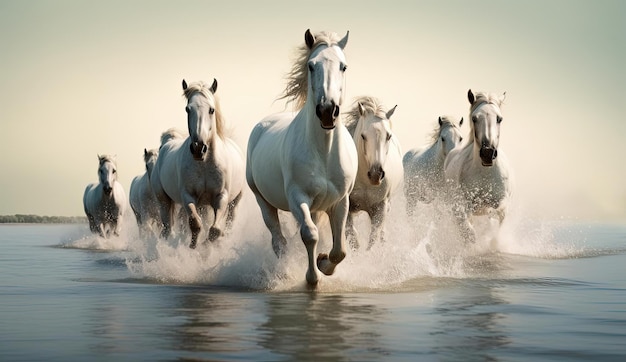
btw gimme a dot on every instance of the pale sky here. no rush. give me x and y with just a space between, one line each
82 78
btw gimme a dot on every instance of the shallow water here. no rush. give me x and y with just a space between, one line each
543 291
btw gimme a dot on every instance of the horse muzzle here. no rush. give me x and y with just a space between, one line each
198 150
327 113
487 155
108 190
376 174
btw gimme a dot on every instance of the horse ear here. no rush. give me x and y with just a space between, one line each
440 121
184 85
342 43
361 109
309 39
502 97
461 122
145 152
470 96
214 86
390 112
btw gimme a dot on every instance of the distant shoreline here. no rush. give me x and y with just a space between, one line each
38 219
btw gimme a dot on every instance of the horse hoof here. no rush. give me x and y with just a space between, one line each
325 265
312 280
214 233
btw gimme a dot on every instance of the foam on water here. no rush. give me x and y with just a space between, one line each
424 246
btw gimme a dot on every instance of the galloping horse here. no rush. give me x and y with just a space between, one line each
204 169
105 202
477 172
380 166
423 167
306 162
142 199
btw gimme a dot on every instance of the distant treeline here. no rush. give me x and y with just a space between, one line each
37 219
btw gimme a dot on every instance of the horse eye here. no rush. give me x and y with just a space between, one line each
211 110
363 136
343 67
474 119
443 139
460 139
388 136
187 109
311 67
499 119
114 171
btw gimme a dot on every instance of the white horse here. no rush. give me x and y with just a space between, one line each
105 202
203 170
423 167
142 199
477 171
306 162
380 166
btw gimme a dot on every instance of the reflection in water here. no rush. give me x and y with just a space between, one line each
314 326
469 327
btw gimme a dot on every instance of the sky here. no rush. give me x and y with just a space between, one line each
82 78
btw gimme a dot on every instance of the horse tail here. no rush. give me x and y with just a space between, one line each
171 134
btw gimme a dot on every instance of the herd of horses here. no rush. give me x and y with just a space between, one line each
310 163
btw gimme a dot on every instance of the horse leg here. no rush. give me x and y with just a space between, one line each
377 216
220 210
165 210
230 217
465 227
338 216
270 217
351 232
195 223
310 236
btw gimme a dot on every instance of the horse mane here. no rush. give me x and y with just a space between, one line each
446 121
484 97
205 90
298 77
170 134
371 105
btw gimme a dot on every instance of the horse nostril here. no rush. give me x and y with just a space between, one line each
336 112
382 175
204 148
495 154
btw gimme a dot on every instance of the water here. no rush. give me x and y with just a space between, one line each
545 290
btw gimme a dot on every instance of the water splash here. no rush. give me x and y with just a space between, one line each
424 247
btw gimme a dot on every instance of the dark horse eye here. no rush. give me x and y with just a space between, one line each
311 67
443 139
211 110
499 119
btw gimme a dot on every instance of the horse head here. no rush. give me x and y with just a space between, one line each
107 173
448 134
202 116
375 131
150 158
326 72
486 118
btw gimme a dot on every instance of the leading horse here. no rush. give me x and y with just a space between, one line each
306 162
